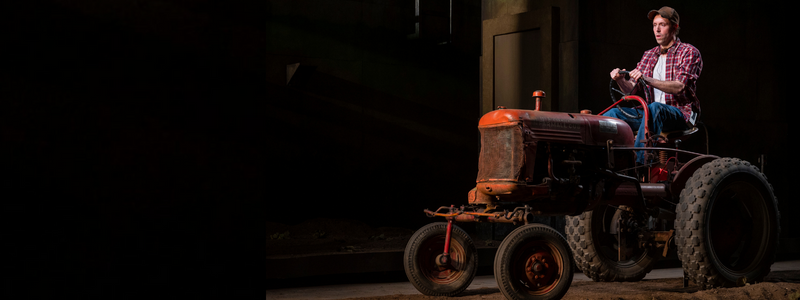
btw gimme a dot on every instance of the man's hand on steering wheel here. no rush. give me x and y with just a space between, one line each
615 74
618 74
626 87
635 75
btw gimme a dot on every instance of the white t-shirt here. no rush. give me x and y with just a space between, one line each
659 72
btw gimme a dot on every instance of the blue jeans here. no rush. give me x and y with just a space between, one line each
662 118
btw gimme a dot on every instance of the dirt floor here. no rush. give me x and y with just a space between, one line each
324 235
774 288
337 235
779 285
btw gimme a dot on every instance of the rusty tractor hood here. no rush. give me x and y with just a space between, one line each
562 127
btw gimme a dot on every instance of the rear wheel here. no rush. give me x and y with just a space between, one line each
533 262
727 224
594 240
422 260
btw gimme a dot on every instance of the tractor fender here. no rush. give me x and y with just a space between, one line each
679 182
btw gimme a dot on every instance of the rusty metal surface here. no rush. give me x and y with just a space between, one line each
501 155
464 214
564 127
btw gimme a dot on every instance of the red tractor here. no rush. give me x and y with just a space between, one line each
720 214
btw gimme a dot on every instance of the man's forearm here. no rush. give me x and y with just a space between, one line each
671 87
626 86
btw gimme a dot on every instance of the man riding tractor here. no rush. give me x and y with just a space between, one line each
629 198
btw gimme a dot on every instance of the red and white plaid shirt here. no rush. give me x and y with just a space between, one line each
684 64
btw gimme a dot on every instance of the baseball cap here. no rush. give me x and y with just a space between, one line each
666 12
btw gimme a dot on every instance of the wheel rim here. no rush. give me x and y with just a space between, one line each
431 249
609 247
537 266
738 227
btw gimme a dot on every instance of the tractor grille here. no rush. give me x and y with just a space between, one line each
502 155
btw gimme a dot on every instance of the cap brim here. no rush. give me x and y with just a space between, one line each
652 14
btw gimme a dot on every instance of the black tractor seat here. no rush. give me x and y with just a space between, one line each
667 138
678 134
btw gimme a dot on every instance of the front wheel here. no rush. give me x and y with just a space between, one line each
423 265
727 224
533 262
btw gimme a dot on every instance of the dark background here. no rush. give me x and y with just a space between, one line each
134 149
145 142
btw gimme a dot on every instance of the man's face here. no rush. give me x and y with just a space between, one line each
662 29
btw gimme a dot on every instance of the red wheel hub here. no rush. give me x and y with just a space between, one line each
540 268
439 268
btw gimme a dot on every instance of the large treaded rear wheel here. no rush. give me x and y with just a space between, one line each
596 248
727 224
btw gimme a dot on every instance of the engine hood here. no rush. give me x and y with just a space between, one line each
563 127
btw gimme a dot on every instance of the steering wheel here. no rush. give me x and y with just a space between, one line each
611 91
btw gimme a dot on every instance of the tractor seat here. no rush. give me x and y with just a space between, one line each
671 135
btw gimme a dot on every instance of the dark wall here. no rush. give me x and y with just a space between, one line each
133 148
381 122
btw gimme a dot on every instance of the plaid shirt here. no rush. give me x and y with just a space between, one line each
684 64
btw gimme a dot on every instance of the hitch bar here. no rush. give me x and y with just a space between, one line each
518 215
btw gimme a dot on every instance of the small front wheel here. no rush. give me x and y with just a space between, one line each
533 262
423 264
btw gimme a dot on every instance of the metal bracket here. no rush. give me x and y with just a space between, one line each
610 154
